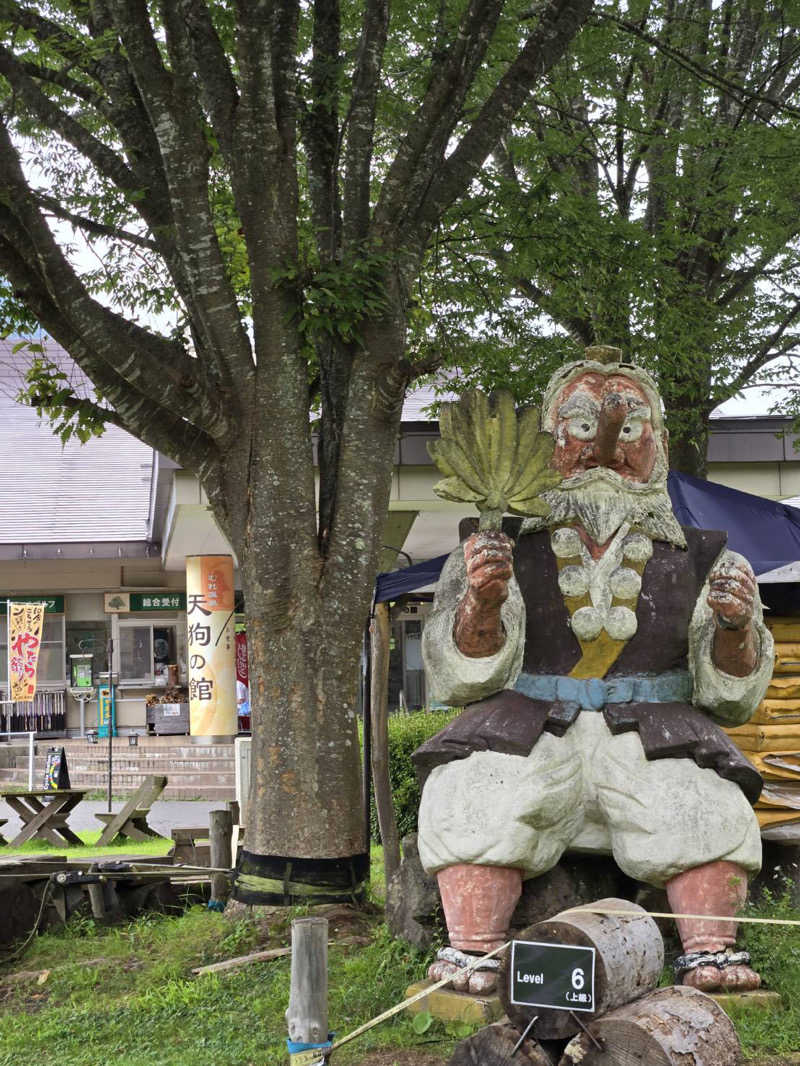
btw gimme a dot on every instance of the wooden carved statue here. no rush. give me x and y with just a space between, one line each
595 657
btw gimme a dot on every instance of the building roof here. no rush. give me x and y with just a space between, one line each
53 493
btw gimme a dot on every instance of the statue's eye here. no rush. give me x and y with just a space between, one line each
582 428
632 429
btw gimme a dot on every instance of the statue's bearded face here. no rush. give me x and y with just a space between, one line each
581 427
612 458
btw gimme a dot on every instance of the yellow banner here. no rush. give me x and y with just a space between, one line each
24 640
211 640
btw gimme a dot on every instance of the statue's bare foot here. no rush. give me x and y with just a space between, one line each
456 965
728 979
721 971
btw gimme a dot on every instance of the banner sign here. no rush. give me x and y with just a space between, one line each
211 640
24 640
559 976
136 602
52 604
241 658
157 601
56 773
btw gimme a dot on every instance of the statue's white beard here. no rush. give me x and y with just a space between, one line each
601 501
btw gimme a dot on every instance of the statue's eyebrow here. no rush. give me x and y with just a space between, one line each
637 409
579 403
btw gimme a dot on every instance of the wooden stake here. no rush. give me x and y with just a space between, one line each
219 834
307 1014
380 739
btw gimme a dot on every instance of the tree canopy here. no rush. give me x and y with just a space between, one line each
645 197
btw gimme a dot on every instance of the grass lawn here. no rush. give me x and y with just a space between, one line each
125 995
156 846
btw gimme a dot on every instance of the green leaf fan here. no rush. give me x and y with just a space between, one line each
493 457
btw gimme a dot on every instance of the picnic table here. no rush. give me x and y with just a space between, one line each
44 814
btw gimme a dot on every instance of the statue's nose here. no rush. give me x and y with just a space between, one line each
609 426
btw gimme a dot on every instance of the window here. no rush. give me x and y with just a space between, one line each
88 638
147 649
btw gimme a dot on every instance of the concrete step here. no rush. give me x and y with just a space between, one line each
96 764
180 784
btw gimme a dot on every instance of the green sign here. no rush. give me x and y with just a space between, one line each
558 976
158 601
52 604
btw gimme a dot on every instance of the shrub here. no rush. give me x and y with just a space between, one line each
406 733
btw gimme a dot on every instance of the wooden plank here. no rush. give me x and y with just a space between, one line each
307 1013
242 960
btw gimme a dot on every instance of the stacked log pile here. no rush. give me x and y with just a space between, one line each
771 739
633 1022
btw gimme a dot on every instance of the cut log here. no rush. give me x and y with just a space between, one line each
668 1027
628 962
493 1046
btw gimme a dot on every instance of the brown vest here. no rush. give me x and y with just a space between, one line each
511 722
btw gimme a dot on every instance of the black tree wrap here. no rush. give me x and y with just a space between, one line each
283 881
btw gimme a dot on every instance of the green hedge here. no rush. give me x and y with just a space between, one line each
406 733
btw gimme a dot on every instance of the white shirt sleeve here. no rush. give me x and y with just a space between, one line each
452 677
729 700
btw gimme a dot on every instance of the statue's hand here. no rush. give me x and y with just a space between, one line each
478 629
732 595
488 557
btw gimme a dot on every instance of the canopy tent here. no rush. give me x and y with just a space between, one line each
765 532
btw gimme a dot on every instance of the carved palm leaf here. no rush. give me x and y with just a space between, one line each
493 457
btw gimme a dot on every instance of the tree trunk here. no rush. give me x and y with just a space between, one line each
669 1027
629 960
380 740
687 453
306 606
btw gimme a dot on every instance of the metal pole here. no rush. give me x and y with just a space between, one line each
30 760
8 666
366 720
110 714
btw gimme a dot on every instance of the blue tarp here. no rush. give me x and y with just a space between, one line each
766 533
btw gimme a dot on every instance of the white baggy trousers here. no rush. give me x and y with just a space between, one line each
587 791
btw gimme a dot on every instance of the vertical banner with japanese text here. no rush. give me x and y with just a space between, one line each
25 622
212 646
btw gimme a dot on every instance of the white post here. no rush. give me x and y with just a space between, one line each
30 761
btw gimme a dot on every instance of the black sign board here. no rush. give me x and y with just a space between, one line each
56 774
559 976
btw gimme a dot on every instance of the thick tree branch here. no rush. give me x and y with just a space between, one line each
219 93
321 129
170 99
559 22
423 147
182 380
361 121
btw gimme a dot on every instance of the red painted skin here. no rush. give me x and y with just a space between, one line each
479 632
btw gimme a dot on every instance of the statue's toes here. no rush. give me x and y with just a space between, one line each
440 970
738 978
483 982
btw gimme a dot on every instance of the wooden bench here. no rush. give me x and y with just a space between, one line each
131 821
191 845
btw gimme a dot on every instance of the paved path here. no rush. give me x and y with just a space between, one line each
164 815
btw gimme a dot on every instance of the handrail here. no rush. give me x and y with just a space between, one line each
31 737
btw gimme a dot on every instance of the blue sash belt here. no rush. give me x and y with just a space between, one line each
592 694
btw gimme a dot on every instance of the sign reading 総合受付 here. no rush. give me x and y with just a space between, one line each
559 976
